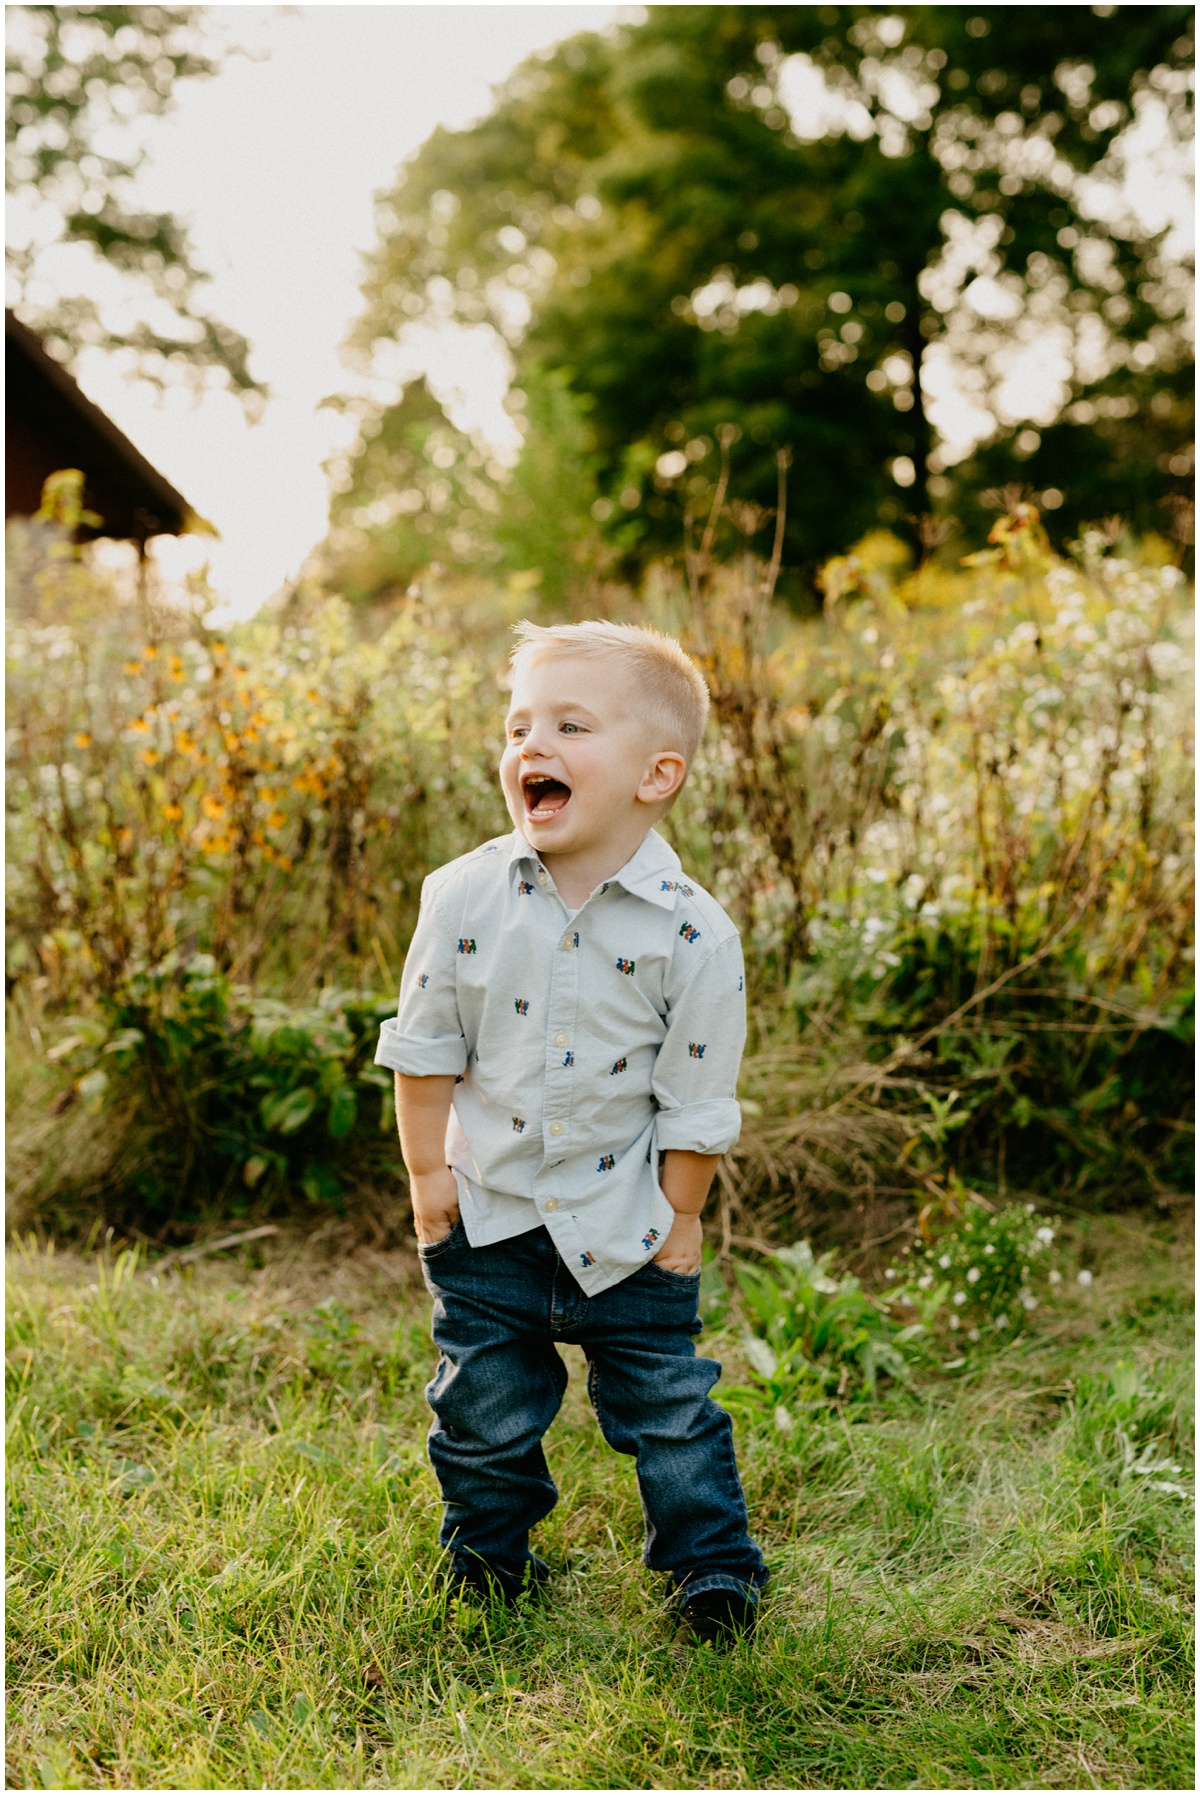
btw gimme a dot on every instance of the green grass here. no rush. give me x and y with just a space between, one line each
223 1568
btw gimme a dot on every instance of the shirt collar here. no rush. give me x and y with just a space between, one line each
650 874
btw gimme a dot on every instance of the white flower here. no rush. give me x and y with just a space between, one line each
1056 1277
1029 1208
1029 1302
925 1282
954 1321
1002 1321
989 1248
1084 1278
889 1273
1046 1234
960 1297
972 1333
944 1261
974 1275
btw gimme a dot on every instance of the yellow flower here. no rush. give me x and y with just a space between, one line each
132 667
276 820
139 726
267 794
175 668
172 812
149 756
185 741
212 809
83 739
286 863
150 653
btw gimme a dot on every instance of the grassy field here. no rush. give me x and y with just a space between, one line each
223 1570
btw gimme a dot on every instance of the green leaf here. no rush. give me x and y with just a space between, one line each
343 1111
285 1113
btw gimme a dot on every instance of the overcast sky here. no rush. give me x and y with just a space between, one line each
274 164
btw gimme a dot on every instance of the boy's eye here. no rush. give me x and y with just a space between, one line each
570 729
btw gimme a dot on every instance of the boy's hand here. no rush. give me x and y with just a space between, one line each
680 1251
435 1205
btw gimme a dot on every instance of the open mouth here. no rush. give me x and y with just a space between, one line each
544 797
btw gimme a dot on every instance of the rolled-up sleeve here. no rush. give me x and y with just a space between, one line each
425 1038
695 1075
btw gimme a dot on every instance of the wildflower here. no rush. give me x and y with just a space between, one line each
1001 1321
1046 1235
960 1297
1028 1301
972 1333
285 862
149 653
276 820
989 1248
175 669
1056 1277
1084 1278
83 739
212 808
138 726
172 812
149 756
925 1282
954 1321
185 742
132 668
889 1273
974 1275
944 1262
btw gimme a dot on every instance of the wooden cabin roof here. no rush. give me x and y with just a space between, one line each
50 424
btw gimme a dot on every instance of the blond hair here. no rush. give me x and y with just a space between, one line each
672 695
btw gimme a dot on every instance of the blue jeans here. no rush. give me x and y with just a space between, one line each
497 1312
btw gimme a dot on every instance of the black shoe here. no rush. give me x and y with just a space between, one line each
718 1616
473 1579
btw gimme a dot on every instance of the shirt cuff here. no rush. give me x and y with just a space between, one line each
711 1127
418 1056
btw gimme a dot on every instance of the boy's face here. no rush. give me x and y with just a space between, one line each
579 770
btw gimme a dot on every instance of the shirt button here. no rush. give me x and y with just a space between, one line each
568 944
560 1040
550 1205
541 878
556 1127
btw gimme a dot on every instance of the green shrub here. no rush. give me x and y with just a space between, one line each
232 1097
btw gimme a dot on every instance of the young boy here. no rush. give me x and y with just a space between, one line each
566 1052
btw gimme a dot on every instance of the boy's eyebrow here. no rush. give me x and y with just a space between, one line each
566 704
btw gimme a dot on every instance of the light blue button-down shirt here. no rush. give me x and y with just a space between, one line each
583 1045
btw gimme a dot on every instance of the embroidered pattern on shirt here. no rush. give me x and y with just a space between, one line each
626 966
460 1078
649 1238
741 984
619 1066
586 1259
696 1049
466 945
568 1059
607 1162
518 1124
525 888
677 885
521 1005
423 980
688 932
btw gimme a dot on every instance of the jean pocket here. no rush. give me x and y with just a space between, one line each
682 1280
432 1249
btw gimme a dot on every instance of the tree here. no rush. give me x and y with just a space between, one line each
790 219
77 78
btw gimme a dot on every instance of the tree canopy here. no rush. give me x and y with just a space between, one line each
800 222
77 77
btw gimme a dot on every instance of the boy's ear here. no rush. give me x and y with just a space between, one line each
663 778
